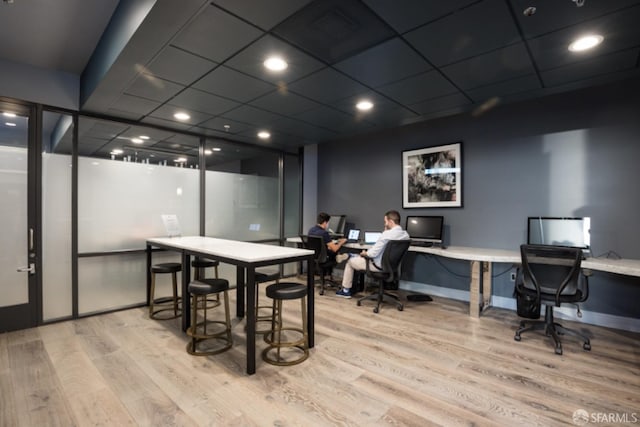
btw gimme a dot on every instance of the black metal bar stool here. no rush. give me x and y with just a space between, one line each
164 304
199 264
295 350
264 275
201 338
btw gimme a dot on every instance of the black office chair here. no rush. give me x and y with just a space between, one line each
389 275
551 275
323 264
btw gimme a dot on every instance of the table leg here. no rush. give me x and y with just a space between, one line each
486 285
251 320
310 302
148 274
474 289
186 300
240 285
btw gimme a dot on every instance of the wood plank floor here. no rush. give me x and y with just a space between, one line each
430 364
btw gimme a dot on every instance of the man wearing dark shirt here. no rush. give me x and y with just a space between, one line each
333 246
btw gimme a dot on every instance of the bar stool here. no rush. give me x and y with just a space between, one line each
280 292
199 264
264 275
165 303
199 290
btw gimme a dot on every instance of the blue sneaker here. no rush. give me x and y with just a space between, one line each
344 293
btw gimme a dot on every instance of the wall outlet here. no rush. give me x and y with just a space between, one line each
513 276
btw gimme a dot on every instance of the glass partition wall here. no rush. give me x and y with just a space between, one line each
128 176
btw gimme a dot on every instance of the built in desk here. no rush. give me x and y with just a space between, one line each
246 257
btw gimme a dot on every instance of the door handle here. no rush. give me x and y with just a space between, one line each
31 269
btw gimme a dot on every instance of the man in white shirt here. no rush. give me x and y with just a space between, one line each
392 231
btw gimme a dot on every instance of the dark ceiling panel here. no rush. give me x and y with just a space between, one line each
326 85
264 14
405 15
334 29
216 35
552 15
505 89
331 119
418 88
284 102
455 103
179 66
493 67
251 61
232 84
589 68
153 88
303 129
219 123
251 115
390 61
136 105
472 31
204 102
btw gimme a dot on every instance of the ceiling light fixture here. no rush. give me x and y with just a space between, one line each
263 134
145 137
364 105
217 149
275 63
10 124
116 151
586 43
137 140
182 116
208 152
180 160
8 114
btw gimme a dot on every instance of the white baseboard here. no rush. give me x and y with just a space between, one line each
568 313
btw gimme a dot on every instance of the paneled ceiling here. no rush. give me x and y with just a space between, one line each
415 60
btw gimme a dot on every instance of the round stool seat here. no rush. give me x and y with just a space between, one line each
286 291
167 267
204 263
208 286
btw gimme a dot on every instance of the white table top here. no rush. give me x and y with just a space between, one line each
238 250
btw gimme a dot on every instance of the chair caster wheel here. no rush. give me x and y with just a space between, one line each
321 292
400 308
587 346
517 338
358 303
559 351
375 310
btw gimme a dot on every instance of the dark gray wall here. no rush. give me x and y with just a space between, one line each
571 154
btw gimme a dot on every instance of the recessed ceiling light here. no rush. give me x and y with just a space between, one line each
10 124
145 137
276 63
208 152
586 43
364 105
8 114
264 134
217 149
180 160
137 140
117 151
182 116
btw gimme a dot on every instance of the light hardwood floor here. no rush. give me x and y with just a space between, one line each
430 364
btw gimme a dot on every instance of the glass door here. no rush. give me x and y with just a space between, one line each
18 256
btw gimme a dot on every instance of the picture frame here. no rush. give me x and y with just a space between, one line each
432 177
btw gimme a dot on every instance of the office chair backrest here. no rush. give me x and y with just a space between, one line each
392 257
551 270
316 244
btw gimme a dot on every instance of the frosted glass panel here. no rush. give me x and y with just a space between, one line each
56 236
14 286
116 281
120 203
241 207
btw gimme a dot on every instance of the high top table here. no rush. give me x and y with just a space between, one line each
246 257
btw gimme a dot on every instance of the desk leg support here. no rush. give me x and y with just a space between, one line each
310 302
240 286
186 299
251 321
148 274
486 285
474 289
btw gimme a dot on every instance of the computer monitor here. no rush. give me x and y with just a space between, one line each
336 224
425 229
559 231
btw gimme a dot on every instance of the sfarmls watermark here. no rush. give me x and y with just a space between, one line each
582 417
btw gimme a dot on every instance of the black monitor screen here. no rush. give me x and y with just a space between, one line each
336 224
425 228
559 231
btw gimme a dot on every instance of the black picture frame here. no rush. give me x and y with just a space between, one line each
432 177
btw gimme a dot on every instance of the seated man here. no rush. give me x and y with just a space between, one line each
333 246
392 231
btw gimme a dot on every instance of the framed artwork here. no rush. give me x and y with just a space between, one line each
432 177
